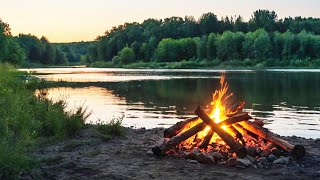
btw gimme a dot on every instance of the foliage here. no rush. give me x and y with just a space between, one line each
26 118
262 38
125 56
113 128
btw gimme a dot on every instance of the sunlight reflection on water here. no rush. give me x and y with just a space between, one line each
288 101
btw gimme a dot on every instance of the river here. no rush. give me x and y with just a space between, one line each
287 100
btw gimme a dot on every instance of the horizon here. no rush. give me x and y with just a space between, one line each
67 21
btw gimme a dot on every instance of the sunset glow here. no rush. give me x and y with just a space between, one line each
83 20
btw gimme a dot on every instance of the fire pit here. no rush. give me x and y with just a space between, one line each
225 134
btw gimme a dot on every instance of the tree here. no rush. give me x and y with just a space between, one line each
263 19
208 23
10 50
126 55
211 46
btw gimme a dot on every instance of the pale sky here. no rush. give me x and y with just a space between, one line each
77 20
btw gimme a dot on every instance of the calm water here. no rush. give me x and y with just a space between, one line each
287 100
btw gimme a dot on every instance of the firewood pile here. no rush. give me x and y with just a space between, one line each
226 136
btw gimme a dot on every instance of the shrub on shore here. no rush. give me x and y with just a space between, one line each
25 119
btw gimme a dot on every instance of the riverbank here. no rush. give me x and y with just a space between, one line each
28 120
214 64
89 155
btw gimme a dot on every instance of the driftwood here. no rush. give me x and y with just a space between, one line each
160 151
227 138
206 141
296 151
178 127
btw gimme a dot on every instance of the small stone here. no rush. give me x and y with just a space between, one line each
232 161
211 160
185 155
243 163
202 158
194 153
149 152
193 161
282 160
276 151
217 156
272 157
263 160
259 165
251 151
251 159
161 141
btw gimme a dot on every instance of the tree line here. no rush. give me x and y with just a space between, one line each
263 38
27 49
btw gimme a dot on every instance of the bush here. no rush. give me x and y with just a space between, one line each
126 55
113 128
25 118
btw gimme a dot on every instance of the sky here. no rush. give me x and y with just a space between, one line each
84 20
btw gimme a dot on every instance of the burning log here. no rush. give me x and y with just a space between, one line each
238 134
234 145
206 140
296 151
236 118
178 127
160 151
236 108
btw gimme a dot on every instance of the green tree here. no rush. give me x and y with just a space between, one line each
263 19
208 23
126 55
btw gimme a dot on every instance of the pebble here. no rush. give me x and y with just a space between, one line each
232 161
149 152
217 156
202 158
282 160
259 165
251 151
263 161
272 157
251 159
243 163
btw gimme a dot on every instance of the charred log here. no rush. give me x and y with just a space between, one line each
206 140
162 149
296 151
178 127
234 145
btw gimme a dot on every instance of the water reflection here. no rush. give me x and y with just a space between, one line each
288 101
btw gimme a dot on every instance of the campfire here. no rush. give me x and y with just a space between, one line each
225 134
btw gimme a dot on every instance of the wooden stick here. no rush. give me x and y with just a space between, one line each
206 141
296 151
160 151
234 145
178 127
236 118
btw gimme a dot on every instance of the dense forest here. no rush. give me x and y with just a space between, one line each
262 41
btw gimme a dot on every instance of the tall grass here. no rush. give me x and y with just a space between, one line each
26 118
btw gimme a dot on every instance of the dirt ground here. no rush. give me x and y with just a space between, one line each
88 155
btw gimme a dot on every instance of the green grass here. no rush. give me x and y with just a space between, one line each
25 119
113 128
